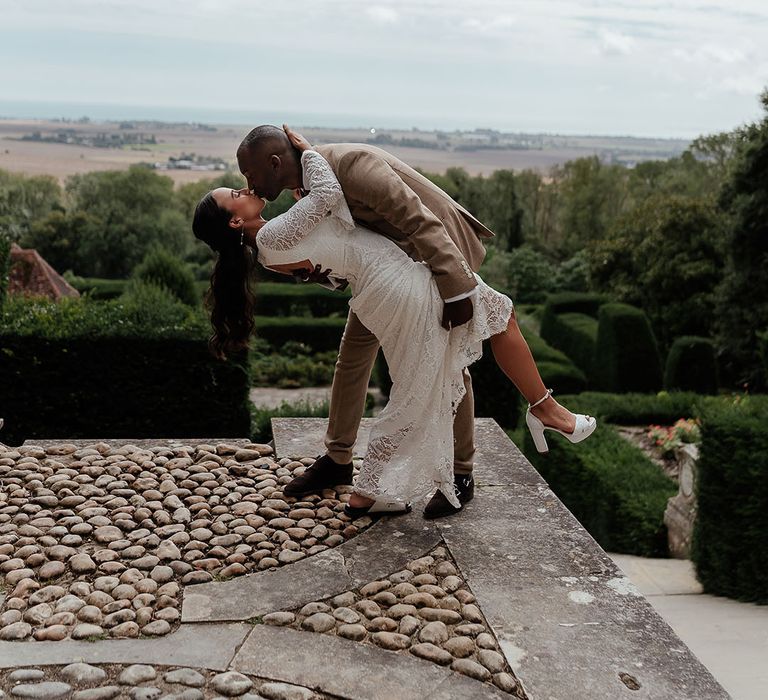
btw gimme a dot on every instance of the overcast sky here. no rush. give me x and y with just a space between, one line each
661 68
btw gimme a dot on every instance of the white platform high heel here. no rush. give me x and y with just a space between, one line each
585 425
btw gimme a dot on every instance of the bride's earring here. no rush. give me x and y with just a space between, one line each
242 233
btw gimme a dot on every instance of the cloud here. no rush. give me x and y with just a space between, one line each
384 15
711 54
492 24
615 43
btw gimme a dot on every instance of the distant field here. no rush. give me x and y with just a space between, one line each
173 140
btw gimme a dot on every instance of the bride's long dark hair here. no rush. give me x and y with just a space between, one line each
230 300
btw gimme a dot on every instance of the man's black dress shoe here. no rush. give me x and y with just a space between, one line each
323 474
439 506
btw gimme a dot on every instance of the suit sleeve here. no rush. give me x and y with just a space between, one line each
370 181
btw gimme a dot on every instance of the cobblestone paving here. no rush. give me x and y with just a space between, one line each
81 681
100 541
426 609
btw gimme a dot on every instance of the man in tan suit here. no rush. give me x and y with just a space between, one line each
387 196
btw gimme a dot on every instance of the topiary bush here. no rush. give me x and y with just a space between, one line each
575 334
691 365
611 487
161 267
626 354
731 528
576 302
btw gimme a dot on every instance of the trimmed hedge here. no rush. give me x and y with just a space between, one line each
692 365
275 299
731 529
573 302
121 387
575 334
611 487
81 369
663 408
97 288
626 355
320 334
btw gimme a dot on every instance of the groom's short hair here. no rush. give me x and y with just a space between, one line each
264 135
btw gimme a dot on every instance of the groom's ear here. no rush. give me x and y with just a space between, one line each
275 162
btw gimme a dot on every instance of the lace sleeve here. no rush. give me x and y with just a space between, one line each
287 230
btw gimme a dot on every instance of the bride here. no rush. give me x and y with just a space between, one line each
410 451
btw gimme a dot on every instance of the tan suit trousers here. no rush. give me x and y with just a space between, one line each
357 355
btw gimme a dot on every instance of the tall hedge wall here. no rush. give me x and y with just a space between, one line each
731 529
82 369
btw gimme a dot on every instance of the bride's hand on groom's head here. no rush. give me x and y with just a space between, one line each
298 141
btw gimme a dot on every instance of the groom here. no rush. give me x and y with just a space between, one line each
391 198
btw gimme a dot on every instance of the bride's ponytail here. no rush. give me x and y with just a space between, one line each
230 299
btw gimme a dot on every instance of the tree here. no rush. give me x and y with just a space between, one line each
127 211
743 296
24 200
664 256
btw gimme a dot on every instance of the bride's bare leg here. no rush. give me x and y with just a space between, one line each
514 357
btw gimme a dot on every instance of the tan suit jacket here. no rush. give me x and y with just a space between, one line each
390 197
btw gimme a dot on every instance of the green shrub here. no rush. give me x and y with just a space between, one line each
5 264
261 418
275 299
691 365
626 356
731 528
293 368
83 369
611 487
764 352
161 267
575 334
149 304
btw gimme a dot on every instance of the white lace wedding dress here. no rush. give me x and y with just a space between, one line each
410 451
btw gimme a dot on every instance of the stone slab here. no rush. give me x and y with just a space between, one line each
378 551
139 442
304 437
248 596
350 669
567 619
200 646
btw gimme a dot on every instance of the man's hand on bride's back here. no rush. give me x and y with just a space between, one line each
457 313
298 141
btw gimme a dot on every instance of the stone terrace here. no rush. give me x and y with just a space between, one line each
178 569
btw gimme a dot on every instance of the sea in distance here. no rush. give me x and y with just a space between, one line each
15 109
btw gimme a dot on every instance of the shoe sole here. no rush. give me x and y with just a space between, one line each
360 512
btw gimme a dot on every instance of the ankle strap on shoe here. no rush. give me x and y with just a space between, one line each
541 400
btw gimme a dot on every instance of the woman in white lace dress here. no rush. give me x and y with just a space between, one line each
410 451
